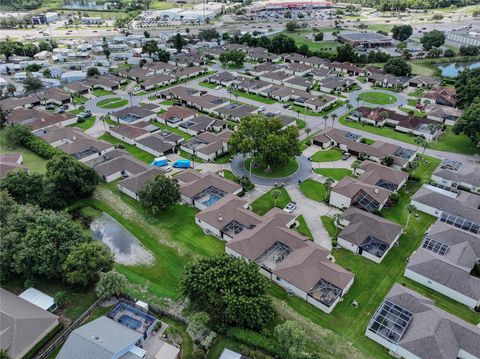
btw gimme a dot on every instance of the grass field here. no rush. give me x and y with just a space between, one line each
207 84
31 160
266 202
329 155
335 173
274 172
253 97
301 38
99 92
329 225
113 102
88 123
377 98
313 190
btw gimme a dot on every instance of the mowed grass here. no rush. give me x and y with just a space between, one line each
302 228
254 97
88 123
266 202
301 38
133 150
113 102
335 173
329 155
377 98
100 92
34 162
273 172
313 190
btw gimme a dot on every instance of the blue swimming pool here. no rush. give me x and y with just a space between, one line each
130 322
213 198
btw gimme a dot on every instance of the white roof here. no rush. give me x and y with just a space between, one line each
228 354
38 298
167 351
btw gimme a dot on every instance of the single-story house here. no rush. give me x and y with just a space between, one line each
132 186
132 115
456 174
156 145
424 81
443 114
201 124
120 166
207 145
11 161
175 115
157 81
129 133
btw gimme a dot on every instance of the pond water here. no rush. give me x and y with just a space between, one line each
125 246
87 5
452 70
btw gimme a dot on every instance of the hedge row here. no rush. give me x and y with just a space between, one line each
255 340
40 147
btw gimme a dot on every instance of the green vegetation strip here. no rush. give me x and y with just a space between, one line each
313 190
274 172
113 102
85 125
329 155
335 173
377 98
267 201
302 228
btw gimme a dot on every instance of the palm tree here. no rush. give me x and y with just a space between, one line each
328 186
347 106
308 130
60 298
337 218
325 118
334 117
418 142
355 166
410 209
275 195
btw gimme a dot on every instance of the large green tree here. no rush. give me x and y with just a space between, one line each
110 284
85 262
432 39
291 338
469 122
160 194
208 34
346 53
282 44
69 179
230 290
32 84
150 47
25 187
398 67
468 86
235 57
402 32
265 140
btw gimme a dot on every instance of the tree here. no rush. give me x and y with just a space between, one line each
11 89
197 326
178 41
235 57
160 194
328 187
469 50
468 86
32 84
291 339
388 161
318 36
25 187
150 47
230 290
418 141
346 53
282 44
60 298
69 179
337 218
402 32
398 67
85 262
469 122
146 34
163 55
410 209
432 39
33 68
265 141
7 48
106 50
3 118
275 194
208 34
291 26
111 284
437 17
93 71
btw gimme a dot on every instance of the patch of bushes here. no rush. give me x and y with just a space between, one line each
255 340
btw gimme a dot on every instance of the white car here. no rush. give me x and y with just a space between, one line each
290 207
218 87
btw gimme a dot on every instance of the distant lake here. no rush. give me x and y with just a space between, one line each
452 70
126 248
87 5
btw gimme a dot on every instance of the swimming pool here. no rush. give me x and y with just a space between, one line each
213 198
130 322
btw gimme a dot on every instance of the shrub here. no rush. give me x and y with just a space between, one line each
198 354
255 340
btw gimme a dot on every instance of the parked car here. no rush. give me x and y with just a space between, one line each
290 207
287 105
345 156
218 87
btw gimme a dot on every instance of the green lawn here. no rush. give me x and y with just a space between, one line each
329 225
329 155
301 38
313 190
274 172
302 228
377 98
254 97
100 92
30 159
301 124
413 111
208 84
335 173
168 102
133 150
229 175
113 102
191 157
80 100
412 102
308 112
88 123
266 202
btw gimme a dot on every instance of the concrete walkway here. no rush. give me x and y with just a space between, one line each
312 211
98 128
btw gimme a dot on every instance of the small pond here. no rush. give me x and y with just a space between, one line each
452 70
87 5
125 246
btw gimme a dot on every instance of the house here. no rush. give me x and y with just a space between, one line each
456 208
36 119
351 142
299 83
445 262
202 190
445 96
138 74
129 133
155 81
297 69
224 78
86 149
132 115
382 176
201 124
183 73
320 73
410 326
456 174
55 96
235 111
424 81
351 192
366 40
103 83
368 235
10 161
263 68
175 115
56 136
23 325
77 88
132 186
313 61
200 100
277 77
334 83
13 103
160 67
156 145
387 80
110 336
118 166
346 68
251 85
318 103
443 114
207 145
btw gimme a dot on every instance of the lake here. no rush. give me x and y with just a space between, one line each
88 5
126 248
452 70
